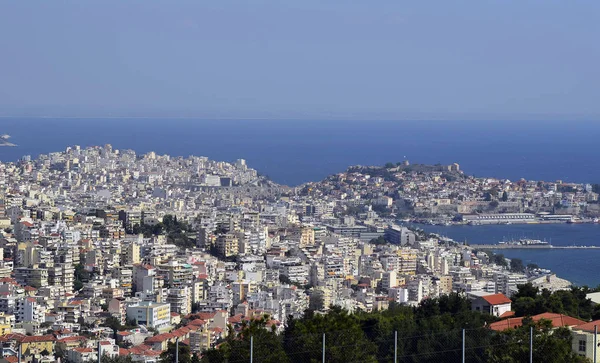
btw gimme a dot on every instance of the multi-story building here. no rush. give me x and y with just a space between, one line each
71 311
180 299
176 274
401 236
32 276
200 340
407 261
227 245
30 310
152 314
7 322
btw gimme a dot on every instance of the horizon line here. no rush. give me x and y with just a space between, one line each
204 118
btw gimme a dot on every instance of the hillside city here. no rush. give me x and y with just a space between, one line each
105 252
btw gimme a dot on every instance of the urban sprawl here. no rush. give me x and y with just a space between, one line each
107 252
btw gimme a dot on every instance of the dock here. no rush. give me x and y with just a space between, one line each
530 247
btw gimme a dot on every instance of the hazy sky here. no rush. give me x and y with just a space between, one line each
301 59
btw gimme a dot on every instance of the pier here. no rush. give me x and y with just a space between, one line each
529 247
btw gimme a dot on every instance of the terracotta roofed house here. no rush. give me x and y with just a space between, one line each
495 304
557 320
583 339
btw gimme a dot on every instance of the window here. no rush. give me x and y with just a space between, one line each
582 345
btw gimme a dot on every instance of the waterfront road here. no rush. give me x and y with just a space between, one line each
528 247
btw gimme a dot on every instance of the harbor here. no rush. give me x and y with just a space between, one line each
566 258
529 247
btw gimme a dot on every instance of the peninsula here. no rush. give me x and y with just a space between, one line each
98 242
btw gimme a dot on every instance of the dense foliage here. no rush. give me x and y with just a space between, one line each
529 300
177 232
184 355
431 332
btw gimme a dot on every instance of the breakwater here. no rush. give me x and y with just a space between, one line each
528 247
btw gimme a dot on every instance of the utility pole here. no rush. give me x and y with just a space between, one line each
323 347
463 347
595 342
396 346
531 344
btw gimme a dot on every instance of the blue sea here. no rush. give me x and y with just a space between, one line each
295 151
579 266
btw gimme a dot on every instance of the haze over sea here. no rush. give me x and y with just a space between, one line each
295 151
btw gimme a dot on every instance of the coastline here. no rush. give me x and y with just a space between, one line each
487 223
572 264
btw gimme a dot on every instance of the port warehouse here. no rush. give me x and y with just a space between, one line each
514 217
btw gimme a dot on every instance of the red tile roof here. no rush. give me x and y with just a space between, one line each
83 350
38 338
497 299
138 349
589 327
506 324
160 338
72 339
235 319
558 320
197 322
206 316
507 314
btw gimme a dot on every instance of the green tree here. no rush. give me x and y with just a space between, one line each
516 265
284 279
168 356
315 302
499 259
524 306
81 276
378 241
118 359
267 345
345 339
553 346
526 290
113 323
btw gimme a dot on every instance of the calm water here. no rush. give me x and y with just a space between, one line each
577 266
293 152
